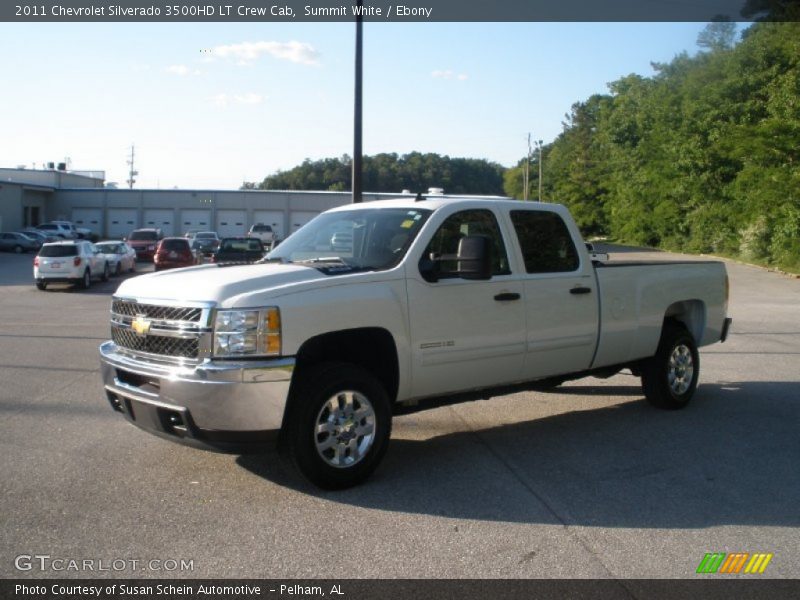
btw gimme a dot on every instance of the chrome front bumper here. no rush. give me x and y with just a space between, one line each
218 405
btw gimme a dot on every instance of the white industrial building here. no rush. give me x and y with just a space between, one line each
29 197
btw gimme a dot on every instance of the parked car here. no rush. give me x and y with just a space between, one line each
58 230
446 297
189 235
69 262
144 242
121 257
263 233
174 252
42 236
12 241
240 250
206 242
77 232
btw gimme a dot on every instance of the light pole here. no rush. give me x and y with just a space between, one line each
540 144
357 167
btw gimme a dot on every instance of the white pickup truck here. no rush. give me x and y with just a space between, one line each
428 298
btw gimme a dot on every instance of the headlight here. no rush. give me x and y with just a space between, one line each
151 247
247 333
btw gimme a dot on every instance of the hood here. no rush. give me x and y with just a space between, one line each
212 283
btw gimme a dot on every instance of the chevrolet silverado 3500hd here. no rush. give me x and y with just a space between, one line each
429 298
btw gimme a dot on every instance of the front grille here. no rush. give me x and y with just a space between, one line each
156 344
152 311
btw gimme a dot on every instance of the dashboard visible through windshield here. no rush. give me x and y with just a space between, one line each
365 239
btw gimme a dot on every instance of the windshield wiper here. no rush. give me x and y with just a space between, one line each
323 259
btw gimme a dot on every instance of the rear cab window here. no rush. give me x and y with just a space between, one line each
545 241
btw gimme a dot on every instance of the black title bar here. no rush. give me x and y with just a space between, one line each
405 11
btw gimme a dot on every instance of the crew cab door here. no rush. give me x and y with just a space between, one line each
561 294
465 333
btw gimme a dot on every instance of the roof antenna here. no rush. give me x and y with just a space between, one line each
419 197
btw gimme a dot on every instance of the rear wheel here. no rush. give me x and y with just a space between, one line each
42 285
86 282
669 378
338 425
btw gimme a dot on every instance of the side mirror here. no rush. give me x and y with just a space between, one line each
472 261
474 258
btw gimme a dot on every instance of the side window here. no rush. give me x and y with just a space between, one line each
545 241
469 222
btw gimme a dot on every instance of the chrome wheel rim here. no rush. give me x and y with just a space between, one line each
681 369
345 429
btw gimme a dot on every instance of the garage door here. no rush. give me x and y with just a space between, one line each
273 218
121 221
90 218
300 218
160 218
195 219
231 223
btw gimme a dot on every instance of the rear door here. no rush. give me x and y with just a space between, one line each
466 334
561 296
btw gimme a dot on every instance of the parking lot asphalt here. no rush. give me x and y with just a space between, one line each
585 481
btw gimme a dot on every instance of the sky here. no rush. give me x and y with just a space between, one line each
209 106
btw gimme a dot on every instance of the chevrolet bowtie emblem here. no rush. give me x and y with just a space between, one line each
140 325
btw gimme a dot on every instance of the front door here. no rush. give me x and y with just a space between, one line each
466 334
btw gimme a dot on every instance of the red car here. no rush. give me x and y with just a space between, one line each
144 242
174 252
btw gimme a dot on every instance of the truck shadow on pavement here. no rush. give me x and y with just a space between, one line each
731 457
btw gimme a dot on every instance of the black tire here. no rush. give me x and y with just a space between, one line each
105 276
18 249
666 380
41 285
86 282
309 406
118 270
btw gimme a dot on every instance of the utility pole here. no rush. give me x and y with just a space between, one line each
526 174
541 145
132 172
357 165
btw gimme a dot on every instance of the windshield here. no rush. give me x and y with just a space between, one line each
375 238
60 250
144 235
173 244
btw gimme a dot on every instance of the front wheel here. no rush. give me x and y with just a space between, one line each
338 425
105 275
669 378
18 249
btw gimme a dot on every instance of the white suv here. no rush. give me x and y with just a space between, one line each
69 262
